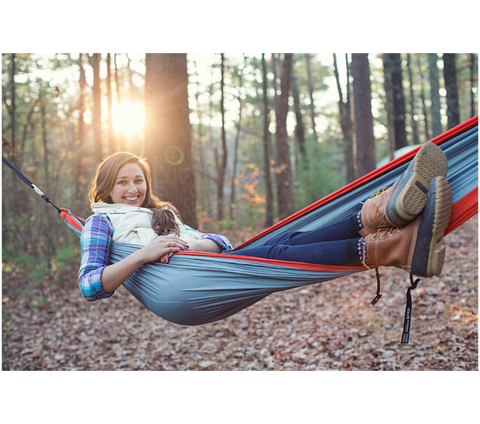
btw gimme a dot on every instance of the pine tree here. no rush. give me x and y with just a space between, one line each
169 131
362 100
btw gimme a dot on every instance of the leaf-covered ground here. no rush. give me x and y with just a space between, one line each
330 326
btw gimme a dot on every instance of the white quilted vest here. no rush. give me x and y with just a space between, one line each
133 224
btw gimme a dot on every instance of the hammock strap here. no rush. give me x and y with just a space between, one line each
379 288
408 310
30 184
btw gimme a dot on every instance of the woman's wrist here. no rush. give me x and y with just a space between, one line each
205 245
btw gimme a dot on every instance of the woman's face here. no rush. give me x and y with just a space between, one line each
130 186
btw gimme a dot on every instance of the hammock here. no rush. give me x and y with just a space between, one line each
197 288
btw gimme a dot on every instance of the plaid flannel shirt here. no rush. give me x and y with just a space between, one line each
95 243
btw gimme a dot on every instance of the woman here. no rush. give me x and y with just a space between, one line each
401 226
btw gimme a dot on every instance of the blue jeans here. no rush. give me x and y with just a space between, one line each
336 244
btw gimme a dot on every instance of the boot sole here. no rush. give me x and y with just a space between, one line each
410 195
429 255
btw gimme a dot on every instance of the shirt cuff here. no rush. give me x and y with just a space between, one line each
222 241
91 286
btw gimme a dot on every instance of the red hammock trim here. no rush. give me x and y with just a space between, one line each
67 216
463 210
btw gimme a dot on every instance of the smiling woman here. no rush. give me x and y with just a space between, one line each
128 118
130 186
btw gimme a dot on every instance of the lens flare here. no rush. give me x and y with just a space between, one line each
173 155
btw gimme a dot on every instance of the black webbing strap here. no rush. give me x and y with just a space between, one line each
29 183
379 288
408 310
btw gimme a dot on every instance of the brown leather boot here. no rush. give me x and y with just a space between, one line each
401 203
416 247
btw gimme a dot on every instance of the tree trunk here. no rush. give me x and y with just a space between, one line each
117 83
283 172
169 145
237 140
387 72
346 121
49 248
266 148
80 140
111 134
416 139
398 100
422 99
4 146
44 143
299 129
120 138
310 92
97 106
472 84
450 76
222 158
434 94
12 108
362 99
81 101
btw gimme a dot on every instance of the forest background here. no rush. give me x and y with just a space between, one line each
236 141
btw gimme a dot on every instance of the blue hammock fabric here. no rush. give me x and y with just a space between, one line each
198 288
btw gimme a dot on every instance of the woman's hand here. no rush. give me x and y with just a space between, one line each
162 248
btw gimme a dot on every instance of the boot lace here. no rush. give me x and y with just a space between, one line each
379 192
383 231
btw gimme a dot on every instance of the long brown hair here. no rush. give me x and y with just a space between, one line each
163 220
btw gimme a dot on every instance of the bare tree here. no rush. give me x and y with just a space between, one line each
111 134
169 133
283 172
434 94
413 118
387 73
346 123
308 59
398 108
362 100
97 106
472 84
450 76
222 159
266 147
238 124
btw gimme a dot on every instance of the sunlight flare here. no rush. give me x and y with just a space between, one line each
128 118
